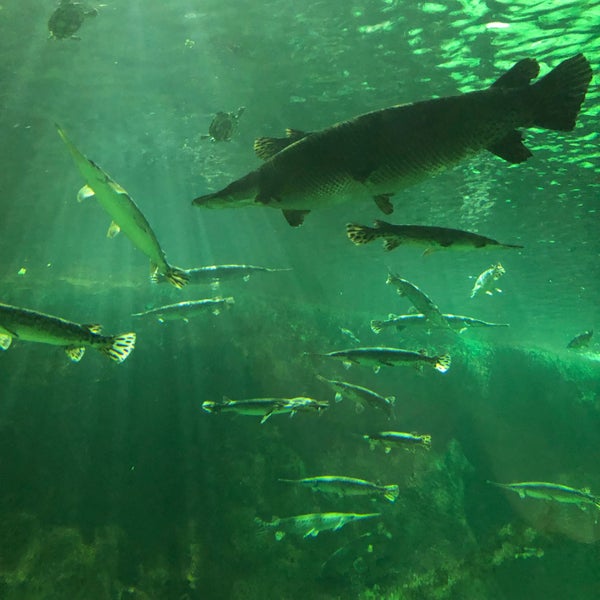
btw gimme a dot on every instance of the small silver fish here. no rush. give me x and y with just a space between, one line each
310 525
433 238
215 273
126 216
31 326
265 407
361 395
419 300
486 282
390 439
457 322
581 341
346 486
390 357
184 311
551 491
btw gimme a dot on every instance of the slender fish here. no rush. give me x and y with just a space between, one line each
346 486
265 407
377 154
433 238
390 357
27 325
312 524
361 395
184 311
124 212
457 322
551 491
419 300
215 273
391 439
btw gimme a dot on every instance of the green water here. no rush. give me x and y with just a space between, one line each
115 484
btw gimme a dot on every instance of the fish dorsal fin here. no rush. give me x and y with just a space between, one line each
519 75
74 353
94 328
384 204
267 147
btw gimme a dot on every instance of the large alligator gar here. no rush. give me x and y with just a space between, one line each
31 326
377 154
126 216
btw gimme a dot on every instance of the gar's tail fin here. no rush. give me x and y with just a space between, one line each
442 363
391 492
119 347
560 93
376 326
177 277
360 234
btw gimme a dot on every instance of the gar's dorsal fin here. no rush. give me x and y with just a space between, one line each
519 75
267 147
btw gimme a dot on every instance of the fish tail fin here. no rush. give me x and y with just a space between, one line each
442 363
391 492
376 326
177 277
119 347
560 93
360 234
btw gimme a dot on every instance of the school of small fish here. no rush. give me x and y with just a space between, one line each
372 157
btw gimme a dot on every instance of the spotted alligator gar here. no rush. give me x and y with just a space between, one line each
377 154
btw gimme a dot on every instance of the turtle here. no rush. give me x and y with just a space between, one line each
223 125
68 18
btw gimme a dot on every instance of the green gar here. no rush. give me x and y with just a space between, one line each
361 395
377 154
346 486
264 407
30 326
211 274
551 491
184 311
432 238
124 212
389 439
310 525
457 322
419 300
390 357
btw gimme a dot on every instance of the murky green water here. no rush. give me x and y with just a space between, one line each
115 484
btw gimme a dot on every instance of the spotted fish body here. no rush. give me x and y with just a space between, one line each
31 326
310 525
377 154
346 486
556 492
211 274
432 238
184 311
457 322
124 212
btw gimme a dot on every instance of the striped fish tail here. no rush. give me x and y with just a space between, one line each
361 234
119 347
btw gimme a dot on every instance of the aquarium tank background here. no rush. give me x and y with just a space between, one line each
115 483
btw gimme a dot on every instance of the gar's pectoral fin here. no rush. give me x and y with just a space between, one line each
5 341
85 193
75 353
384 204
113 230
295 217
